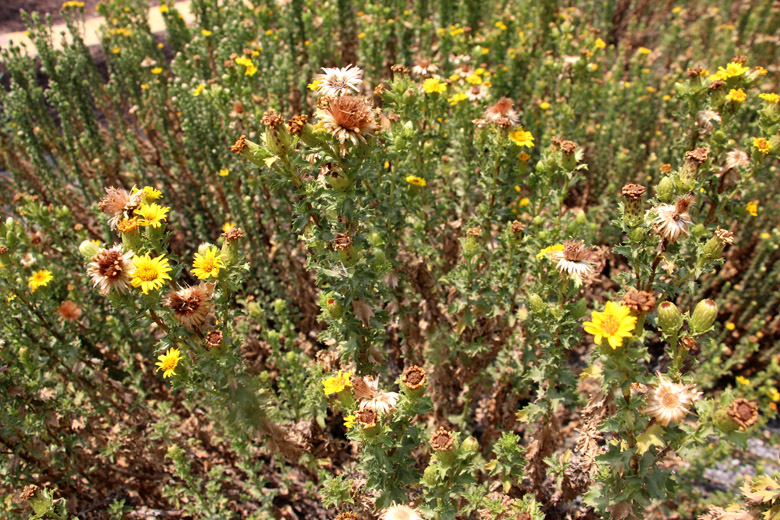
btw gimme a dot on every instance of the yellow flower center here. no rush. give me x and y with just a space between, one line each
169 363
610 325
146 273
208 264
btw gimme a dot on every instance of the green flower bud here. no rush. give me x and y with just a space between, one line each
334 308
429 476
669 318
723 421
88 249
536 303
335 178
470 445
637 234
344 245
703 317
712 249
250 151
664 190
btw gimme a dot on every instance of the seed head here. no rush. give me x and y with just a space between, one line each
442 439
639 301
744 413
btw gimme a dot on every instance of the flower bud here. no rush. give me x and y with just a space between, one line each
443 444
250 151
335 178
536 303
632 206
470 445
703 317
723 421
664 190
669 318
429 476
334 308
344 244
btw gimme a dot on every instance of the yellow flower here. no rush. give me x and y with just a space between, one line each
224 172
116 50
416 181
207 265
600 44
163 8
150 273
144 86
762 145
524 157
433 85
732 70
39 279
614 324
247 62
761 70
206 32
157 70
551 249
153 214
361 36
198 90
314 85
337 383
736 95
457 98
770 98
150 193
72 3
743 381
474 79
644 50
227 226
501 25
168 362
773 394
525 201
765 236
522 138
349 422
731 325
544 105
752 208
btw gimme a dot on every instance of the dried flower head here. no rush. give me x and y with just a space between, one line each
705 119
192 306
669 402
214 339
725 236
399 69
348 515
28 492
633 191
337 82
233 234
347 118
424 66
737 158
442 439
239 145
366 389
673 220
414 377
564 145
400 513
517 227
476 92
366 417
574 259
639 301
502 113
474 232
111 269
342 241
743 412
69 310
272 119
296 124
119 203
698 156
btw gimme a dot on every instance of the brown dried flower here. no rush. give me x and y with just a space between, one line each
574 259
633 191
348 515
214 339
502 113
297 123
192 305
272 119
744 412
698 156
69 310
442 439
233 234
28 492
366 417
517 227
347 118
342 241
725 236
639 301
239 145
399 69
673 220
414 377
110 269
